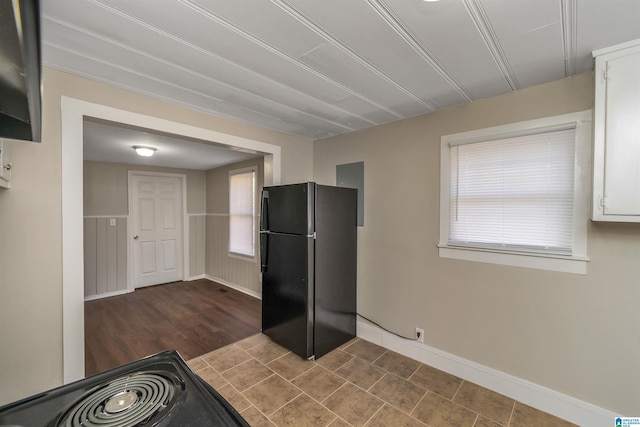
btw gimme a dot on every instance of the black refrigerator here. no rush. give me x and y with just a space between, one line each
308 255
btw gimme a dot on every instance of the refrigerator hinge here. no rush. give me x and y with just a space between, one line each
312 358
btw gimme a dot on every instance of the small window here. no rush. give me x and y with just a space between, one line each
242 212
518 194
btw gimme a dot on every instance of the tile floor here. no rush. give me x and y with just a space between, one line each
359 384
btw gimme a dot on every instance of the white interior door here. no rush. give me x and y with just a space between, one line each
157 235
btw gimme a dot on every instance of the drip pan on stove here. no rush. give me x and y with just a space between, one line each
141 399
160 390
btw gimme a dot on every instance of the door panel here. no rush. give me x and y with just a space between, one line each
157 225
287 289
290 209
168 214
148 257
336 267
147 214
169 249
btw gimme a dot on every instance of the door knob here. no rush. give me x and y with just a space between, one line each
136 237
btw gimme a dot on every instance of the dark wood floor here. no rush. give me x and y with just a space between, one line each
193 318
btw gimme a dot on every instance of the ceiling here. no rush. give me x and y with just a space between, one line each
113 142
319 68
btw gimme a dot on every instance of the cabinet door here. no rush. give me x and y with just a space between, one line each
616 179
622 134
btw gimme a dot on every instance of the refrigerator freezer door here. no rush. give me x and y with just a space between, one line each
287 290
288 209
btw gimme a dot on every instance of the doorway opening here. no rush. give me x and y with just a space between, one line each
73 113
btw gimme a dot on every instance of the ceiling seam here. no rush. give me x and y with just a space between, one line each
569 10
267 46
480 19
414 42
157 96
224 59
316 28
186 70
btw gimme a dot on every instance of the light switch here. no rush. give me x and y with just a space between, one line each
112 222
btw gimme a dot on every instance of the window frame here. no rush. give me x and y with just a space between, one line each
232 253
575 262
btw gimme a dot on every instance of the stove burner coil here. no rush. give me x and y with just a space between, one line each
135 400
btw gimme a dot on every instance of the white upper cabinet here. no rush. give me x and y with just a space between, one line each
616 161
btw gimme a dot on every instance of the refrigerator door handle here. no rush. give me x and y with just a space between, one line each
264 215
264 250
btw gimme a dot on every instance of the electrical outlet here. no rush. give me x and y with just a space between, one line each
419 335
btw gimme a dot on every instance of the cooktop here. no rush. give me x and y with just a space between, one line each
160 390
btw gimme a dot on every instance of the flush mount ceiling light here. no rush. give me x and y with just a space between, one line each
144 151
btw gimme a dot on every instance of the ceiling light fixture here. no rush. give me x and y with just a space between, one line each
144 151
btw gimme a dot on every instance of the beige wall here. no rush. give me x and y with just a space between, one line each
106 188
106 192
31 269
576 334
30 227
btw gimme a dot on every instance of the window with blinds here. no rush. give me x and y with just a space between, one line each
242 212
518 194
513 193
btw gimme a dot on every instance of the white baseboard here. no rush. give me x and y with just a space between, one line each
106 295
539 397
191 278
234 286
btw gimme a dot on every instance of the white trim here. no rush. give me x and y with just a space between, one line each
247 258
239 255
5 177
106 216
185 224
615 48
602 58
106 295
243 257
575 263
198 277
72 243
73 112
234 286
545 399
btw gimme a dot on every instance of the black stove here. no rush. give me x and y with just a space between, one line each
160 390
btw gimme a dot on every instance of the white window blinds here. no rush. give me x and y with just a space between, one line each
242 213
514 194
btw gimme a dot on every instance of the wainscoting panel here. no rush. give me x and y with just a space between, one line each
242 272
105 256
197 238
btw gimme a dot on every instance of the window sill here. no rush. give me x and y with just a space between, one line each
565 264
243 257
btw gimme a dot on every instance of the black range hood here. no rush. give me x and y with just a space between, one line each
20 70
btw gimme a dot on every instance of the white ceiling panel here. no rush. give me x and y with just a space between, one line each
602 24
318 68
266 21
533 47
446 32
372 40
104 71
